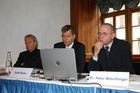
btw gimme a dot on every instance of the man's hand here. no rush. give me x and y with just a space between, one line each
97 48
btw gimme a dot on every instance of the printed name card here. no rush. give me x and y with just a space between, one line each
109 78
21 72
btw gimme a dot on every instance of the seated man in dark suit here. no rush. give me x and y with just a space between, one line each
116 58
68 38
31 57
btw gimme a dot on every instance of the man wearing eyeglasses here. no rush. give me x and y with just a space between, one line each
110 53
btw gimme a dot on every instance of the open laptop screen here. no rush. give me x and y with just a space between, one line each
59 63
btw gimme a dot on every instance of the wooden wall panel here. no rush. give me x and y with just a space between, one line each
85 17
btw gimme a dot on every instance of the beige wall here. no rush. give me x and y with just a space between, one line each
43 18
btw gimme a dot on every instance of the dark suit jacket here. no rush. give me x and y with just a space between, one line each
119 58
79 49
31 60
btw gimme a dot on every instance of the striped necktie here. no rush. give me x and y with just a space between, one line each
106 49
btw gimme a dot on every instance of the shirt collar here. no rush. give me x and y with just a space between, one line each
70 46
109 45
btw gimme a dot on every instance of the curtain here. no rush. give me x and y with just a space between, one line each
104 5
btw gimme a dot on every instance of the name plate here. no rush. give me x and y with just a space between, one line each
21 72
109 78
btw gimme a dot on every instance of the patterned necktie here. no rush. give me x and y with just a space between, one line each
106 50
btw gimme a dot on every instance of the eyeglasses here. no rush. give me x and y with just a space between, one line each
104 34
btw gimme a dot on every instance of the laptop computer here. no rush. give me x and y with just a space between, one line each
59 64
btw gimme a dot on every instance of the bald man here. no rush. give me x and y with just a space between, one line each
110 53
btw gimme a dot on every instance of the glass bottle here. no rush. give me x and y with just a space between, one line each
9 62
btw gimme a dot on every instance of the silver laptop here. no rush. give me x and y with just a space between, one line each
59 63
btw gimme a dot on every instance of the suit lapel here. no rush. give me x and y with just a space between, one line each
113 48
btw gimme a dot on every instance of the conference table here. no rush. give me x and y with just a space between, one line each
36 85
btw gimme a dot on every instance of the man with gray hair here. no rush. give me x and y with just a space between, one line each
110 53
31 57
